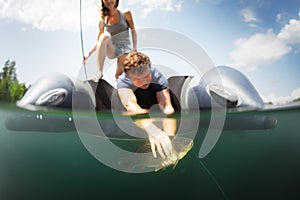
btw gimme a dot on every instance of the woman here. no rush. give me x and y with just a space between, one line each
117 44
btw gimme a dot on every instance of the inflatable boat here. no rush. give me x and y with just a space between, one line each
221 89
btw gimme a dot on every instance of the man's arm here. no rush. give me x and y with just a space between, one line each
129 101
158 138
164 100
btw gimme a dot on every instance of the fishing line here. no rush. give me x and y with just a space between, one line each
81 38
211 176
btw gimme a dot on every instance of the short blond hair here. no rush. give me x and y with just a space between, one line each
135 60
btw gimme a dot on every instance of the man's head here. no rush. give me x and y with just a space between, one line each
137 68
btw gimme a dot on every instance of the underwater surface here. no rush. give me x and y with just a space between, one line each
244 164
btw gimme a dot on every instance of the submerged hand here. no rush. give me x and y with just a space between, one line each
162 143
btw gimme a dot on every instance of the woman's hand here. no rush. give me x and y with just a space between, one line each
85 57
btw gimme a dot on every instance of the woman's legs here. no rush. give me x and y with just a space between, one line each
119 69
104 48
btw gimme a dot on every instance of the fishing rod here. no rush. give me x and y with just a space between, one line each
81 38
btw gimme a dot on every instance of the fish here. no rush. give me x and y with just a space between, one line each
143 160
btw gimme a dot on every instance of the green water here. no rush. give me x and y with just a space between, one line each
244 164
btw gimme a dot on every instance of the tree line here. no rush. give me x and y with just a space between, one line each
11 90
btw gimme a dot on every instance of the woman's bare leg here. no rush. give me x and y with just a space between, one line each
104 48
119 69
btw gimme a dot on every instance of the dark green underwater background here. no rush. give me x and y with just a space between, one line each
244 164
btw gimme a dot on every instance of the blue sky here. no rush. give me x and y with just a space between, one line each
261 38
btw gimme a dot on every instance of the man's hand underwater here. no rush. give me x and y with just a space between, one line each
162 143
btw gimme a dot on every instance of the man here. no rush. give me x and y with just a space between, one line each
140 87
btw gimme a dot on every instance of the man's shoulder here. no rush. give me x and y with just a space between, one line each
156 72
158 78
123 81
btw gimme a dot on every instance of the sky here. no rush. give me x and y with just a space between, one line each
260 38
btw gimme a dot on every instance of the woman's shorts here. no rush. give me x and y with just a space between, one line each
121 49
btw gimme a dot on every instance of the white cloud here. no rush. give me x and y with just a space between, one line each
283 99
162 5
209 1
48 15
277 100
265 48
258 50
279 17
253 25
215 1
295 94
52 15
249 15
290 33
